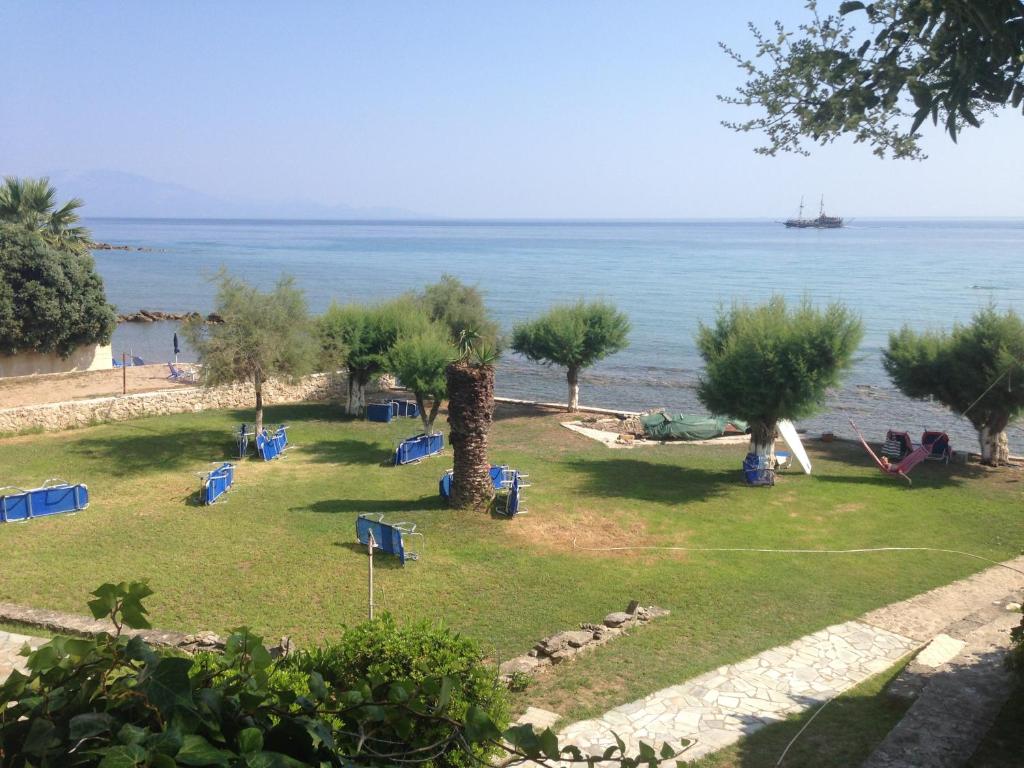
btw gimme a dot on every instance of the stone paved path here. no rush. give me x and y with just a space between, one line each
10 646
719 707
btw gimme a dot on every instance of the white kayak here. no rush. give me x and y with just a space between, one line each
788 433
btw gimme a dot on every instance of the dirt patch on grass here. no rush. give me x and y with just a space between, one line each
556 530
853 506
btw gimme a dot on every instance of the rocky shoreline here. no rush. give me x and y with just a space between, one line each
156 316
111 247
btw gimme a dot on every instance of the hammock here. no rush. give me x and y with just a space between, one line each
904 466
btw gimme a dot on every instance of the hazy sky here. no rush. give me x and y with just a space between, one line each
468 109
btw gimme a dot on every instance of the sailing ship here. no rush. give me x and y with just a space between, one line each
823 221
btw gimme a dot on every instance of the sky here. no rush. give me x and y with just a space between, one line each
454 109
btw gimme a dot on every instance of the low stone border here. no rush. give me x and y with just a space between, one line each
74 624
566 645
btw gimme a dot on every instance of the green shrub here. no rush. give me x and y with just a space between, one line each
384 652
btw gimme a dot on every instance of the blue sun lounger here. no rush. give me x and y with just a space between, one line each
408 408
382 412
497 473
216 483
52 498
389 538
266 447
419 447
512 482
280 438
757 470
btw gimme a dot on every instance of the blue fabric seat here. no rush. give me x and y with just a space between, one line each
389 538
496 471
280 438
758 470
407 408
382 412
266 447
418 447
216 483
52 498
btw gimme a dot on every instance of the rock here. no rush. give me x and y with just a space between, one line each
617 619
532 652
566 653
520 664
653 612
213 317
282 649
561 641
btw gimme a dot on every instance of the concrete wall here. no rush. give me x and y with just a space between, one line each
80 413
89 358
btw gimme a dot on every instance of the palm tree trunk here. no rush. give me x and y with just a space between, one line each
572 376
470 412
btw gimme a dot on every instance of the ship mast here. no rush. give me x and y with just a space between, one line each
801 214
821 208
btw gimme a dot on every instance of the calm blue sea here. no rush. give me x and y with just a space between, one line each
667 276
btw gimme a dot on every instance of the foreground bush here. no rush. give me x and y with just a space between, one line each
115 702
382 651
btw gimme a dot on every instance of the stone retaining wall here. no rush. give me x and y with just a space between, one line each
81 413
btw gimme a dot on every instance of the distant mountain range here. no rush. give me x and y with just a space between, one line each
115 194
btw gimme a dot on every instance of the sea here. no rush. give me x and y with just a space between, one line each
668 276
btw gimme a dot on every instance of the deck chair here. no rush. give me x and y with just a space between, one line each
242 440
783 460
496 472
390 538
280 438
939 442
408 408
180 373
758 470
896 445
381 412
418 447
216 482
53 497
514 497
266 447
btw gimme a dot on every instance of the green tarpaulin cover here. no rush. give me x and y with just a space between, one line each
684 426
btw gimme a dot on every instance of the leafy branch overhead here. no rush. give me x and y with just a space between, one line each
945 61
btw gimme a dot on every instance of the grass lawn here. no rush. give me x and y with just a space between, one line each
279 554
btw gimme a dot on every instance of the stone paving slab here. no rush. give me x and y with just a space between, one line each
719 707
10 648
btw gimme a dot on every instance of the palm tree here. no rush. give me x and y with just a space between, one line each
470 412
32 203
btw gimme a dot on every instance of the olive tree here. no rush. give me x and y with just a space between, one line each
263 335
573 336
461 308
947 61
767 362
971 370
360 336
419 361
51 299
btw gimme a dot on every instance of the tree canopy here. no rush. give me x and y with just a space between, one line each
263 335
32 204
51 300
360 336
948 61
574 336
767 362
419 361
970 370
461 308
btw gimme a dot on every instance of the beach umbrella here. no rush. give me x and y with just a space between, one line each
177 350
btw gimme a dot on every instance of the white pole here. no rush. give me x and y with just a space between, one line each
369 551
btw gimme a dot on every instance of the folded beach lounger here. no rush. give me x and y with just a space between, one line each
407 408
498 480
419 447
216 483
939 442
266 447
280 438
390 538
382 412
514 498
242 440
757 470
52 498
783 460
896 445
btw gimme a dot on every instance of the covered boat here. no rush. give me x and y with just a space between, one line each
685 426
